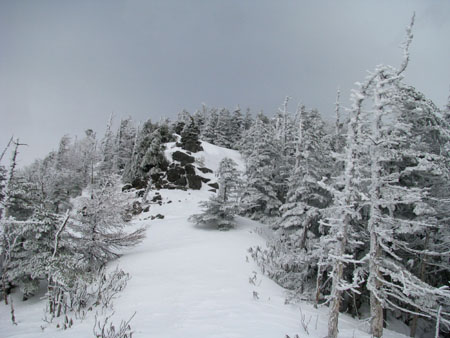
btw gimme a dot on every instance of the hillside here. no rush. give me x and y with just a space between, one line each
193 282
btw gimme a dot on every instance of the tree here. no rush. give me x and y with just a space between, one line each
223 129
261 152
390 188
135 173
190 137
219 210
100 226
208 133
299 225
108 149
125 138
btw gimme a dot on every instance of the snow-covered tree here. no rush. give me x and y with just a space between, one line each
208 132
125 137
237 127
135 173
108 149
100 226
261 152
391 192
190 137
224 129
299 225
219 210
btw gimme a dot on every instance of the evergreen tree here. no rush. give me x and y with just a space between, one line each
190 137
108 149
299 225
209 130
100 227
237 127
224 129
125 138
135 173
261 152
219 210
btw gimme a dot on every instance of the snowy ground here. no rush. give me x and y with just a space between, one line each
193 282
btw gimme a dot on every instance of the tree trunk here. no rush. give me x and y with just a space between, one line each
336 295
318 282
412 332
376 308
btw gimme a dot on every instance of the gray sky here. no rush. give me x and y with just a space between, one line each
65 66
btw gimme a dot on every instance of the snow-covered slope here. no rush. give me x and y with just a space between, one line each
191 282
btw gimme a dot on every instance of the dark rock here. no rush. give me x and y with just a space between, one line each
205 170
175 174
205 180
140 193
190 169
139 183
183 158
146 208
194 182
164 165
127 187
168 202
213 190
181 181
214 185
156 198
158 216
156 177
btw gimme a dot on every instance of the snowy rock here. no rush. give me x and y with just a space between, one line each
175 173
190 169
214 185
194 182
205 170
182 158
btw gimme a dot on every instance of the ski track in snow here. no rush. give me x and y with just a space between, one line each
188 282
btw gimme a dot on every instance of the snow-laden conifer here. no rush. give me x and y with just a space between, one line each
220 209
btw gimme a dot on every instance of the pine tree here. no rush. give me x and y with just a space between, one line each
261 152
237 127
100 227
208 133
135 173
125 138
108 149
219 210
224 129
190 137
299 225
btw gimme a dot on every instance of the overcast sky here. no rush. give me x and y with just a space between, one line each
65 66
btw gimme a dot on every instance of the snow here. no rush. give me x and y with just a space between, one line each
193 282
